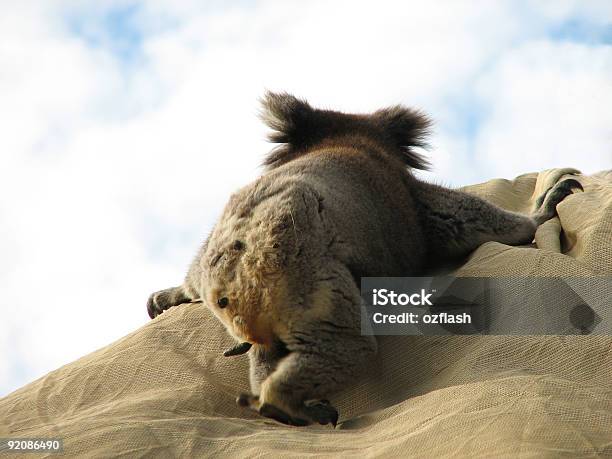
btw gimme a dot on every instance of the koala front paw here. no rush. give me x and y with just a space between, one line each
319 411
546 204
160 301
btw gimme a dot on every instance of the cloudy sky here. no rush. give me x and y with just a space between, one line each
125 125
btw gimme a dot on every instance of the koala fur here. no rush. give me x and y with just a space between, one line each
338 201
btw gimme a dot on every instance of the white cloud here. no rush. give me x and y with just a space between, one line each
118 169
548 104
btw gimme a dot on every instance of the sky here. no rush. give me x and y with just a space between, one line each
127 124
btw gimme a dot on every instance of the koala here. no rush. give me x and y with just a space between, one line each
337 201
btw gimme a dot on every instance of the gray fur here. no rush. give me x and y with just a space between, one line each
336 203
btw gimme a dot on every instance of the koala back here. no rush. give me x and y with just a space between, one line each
337 197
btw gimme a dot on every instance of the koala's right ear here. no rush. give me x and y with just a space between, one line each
404 128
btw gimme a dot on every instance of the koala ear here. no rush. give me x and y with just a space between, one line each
297 127
404 128
292 122
286 115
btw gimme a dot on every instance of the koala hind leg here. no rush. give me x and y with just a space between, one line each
324 350
295 391
262 362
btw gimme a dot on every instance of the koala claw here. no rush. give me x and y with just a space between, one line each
154 306
547 202
247 400
558 192
162 300
321 411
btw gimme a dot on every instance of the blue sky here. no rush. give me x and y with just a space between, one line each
582 30
116 29
128 124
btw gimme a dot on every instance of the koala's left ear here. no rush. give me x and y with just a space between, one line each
292 120
286 115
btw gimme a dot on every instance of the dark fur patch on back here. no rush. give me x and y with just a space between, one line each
300 127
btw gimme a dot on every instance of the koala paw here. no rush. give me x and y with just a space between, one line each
546 204
270 411
160 301
319 411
